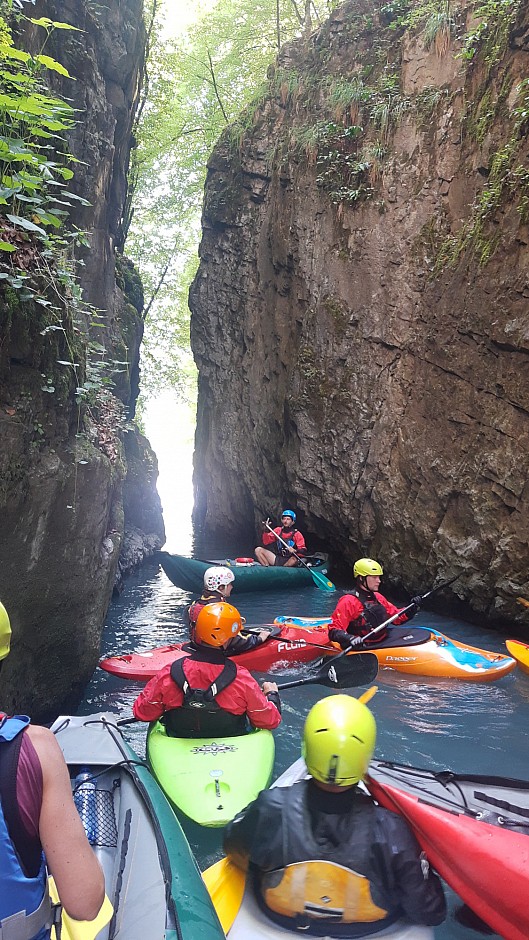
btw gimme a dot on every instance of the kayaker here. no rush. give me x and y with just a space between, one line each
359 612
203 692
218 585
37 816
278 554
325 858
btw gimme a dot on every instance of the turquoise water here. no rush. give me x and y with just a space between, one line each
436 723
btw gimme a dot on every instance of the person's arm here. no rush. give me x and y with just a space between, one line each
348 608
269 537
299 542
255 835
391 610
69 856
159 695
420 892
262 711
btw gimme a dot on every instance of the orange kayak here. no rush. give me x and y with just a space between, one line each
520 651
425 652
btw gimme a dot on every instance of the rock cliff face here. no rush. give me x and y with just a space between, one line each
77 480
360 314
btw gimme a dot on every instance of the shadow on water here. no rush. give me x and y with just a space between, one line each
440 723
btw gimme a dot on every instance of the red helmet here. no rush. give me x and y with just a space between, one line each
217 623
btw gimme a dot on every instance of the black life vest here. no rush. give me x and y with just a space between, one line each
334 885
373 614
288 536
200 715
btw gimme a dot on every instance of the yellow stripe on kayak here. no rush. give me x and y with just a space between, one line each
225 883
81 929
520 652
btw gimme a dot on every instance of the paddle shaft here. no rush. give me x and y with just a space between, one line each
360 640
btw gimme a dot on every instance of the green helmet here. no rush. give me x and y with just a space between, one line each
339 740
366 567
5 632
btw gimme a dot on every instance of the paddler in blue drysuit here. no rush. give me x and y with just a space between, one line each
218 585
37 816
325 859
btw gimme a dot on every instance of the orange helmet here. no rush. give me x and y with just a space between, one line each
217 623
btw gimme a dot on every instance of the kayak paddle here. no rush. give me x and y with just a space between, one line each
338 673
320 580
360 640
225 883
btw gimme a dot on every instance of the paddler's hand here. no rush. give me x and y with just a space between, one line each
263 635
270 687
266 523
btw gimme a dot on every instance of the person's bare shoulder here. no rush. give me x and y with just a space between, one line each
45 744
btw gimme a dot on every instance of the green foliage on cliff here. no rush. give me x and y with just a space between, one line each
34 155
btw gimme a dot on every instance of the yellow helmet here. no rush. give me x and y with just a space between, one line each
339 740
366 567
5 632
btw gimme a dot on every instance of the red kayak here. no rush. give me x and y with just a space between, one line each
474 830
286 645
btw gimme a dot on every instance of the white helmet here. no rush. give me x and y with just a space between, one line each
217 576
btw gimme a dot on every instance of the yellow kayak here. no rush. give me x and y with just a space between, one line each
520 652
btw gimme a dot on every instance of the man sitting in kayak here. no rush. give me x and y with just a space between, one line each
38 814
358 613
204 693
280 554
218 584
326 859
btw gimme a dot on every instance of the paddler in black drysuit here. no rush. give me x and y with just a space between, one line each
325 859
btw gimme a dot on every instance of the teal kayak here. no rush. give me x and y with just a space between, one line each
188 573
211 779
151 876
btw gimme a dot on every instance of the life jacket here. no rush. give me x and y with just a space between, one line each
319 886
288 536
26 912
200 715
373 614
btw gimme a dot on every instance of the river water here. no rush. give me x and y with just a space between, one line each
436 723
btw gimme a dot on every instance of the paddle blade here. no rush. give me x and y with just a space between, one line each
322 581
348 671
225 883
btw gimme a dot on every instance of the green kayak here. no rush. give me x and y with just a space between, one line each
188 573
211 779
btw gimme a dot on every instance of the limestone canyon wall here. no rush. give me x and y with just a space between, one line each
75 479
360 314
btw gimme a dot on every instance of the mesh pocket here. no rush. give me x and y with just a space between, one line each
96 809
